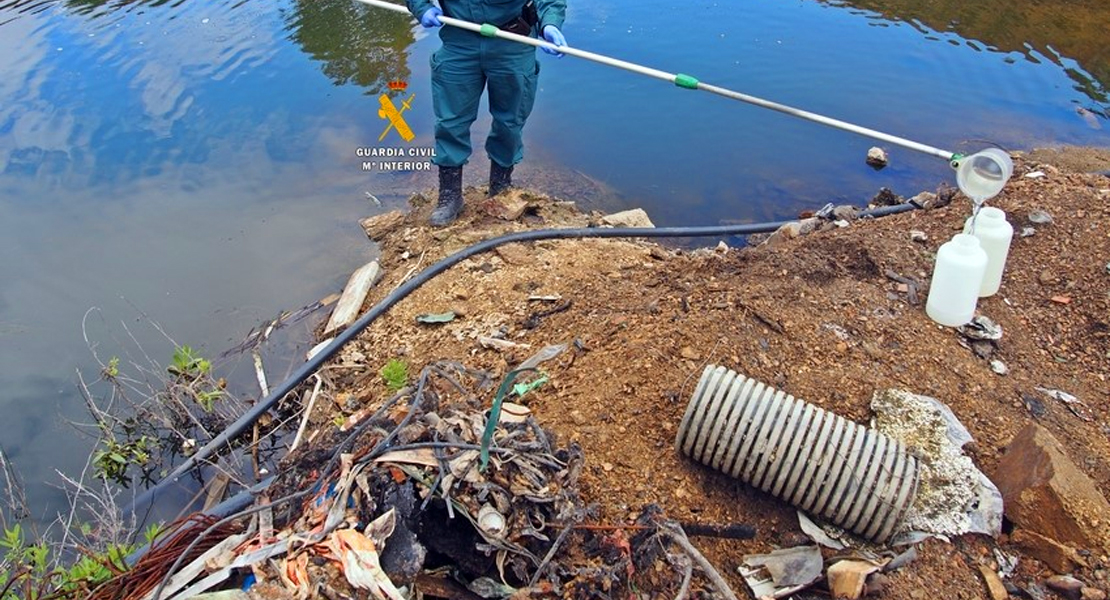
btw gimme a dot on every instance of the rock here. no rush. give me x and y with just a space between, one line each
578 417
635 217
982 348
999 367
845 212
689 353
379 226
1034 405
1047 277
1040 217
1066 586
876 157
507 206
885 197
788 231
1044 492
808 226
918 236
1058 557
1090 593
994 583
514 254
926 200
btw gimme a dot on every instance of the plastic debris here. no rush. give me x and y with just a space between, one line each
490 521
848 577
523 388
545 354
981 328
435 318
954 497
488 588
1071 402
499 344
790 567
512 412
317 348
902 559
1040 217
818 533
359 561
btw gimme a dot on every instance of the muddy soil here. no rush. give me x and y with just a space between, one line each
818 316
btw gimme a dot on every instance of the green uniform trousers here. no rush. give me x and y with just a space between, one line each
461 70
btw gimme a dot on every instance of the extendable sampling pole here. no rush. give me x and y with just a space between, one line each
680 80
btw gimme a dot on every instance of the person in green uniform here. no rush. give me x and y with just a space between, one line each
465 65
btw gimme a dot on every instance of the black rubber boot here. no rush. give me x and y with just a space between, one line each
450 197
500 178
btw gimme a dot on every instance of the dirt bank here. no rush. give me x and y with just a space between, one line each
822 316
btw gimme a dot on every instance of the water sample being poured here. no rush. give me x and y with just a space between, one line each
982 175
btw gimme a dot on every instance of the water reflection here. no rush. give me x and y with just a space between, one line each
356 44
1071 34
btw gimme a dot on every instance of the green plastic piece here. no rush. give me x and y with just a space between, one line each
686 81
488 30
955 160
523 388
432 318
495 416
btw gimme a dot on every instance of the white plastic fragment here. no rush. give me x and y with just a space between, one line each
954 497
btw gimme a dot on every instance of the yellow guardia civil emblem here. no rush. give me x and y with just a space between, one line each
391 113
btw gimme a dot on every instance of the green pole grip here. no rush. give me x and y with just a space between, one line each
488 30
686 81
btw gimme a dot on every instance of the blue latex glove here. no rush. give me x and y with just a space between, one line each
430 18
552 34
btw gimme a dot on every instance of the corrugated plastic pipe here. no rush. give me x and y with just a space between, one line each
826 465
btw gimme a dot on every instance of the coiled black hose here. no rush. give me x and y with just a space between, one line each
147 499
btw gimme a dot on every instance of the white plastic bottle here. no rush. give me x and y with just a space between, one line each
994 233
957 277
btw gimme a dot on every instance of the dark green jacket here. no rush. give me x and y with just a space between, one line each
494 12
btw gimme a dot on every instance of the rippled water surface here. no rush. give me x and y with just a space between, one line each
195 164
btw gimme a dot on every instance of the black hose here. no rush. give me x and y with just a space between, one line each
146 500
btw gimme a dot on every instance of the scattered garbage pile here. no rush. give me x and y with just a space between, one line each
429 494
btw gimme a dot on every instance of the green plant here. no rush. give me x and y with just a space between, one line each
113 460
112 370
395 373
29 571
152 532
207 399
188 363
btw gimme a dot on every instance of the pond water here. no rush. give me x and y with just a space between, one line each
194 168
